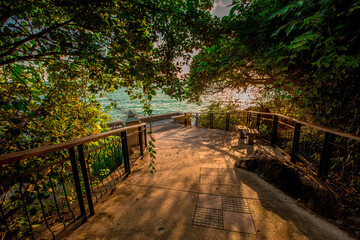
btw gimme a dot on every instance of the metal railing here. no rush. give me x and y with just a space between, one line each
47 190
332 156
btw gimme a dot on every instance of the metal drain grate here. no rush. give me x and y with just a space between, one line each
235 204
208 217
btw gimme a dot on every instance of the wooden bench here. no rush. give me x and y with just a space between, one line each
248 133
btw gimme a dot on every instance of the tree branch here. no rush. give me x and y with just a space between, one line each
24 58
32 37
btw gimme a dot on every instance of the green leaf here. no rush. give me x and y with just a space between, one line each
289 29
17 105
6 107
233 9
276 32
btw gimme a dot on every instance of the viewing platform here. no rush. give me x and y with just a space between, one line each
208 181
197 193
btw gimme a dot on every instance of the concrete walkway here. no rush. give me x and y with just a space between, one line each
197 193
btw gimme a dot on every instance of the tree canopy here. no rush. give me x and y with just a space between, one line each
55 55
309 50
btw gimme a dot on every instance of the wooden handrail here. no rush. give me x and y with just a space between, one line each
21 155
325 129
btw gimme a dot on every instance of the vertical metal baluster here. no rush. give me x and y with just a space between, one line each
54 196
98 182
106 160
140 142
295 146
42 206
258 121
227 128
112 154
104 166
289 138
274 131
86 179
77 182
64 187
91 176
319 153
125 153
25 209
301 145
326 155
118 160
145 138
100 156
111 162
115 157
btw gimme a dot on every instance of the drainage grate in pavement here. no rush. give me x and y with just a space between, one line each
235 204
223 212
208 217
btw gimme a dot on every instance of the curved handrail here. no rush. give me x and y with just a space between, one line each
21 155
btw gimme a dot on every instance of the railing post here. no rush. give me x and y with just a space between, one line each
86 179
145 137
227 128
125 151
187 119
77 182
326 155
248 118
211 120
141 142
258 121
274 131
295 145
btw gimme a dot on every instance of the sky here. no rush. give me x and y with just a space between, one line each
221 8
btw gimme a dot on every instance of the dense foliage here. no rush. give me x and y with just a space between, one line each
308 50
55 55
